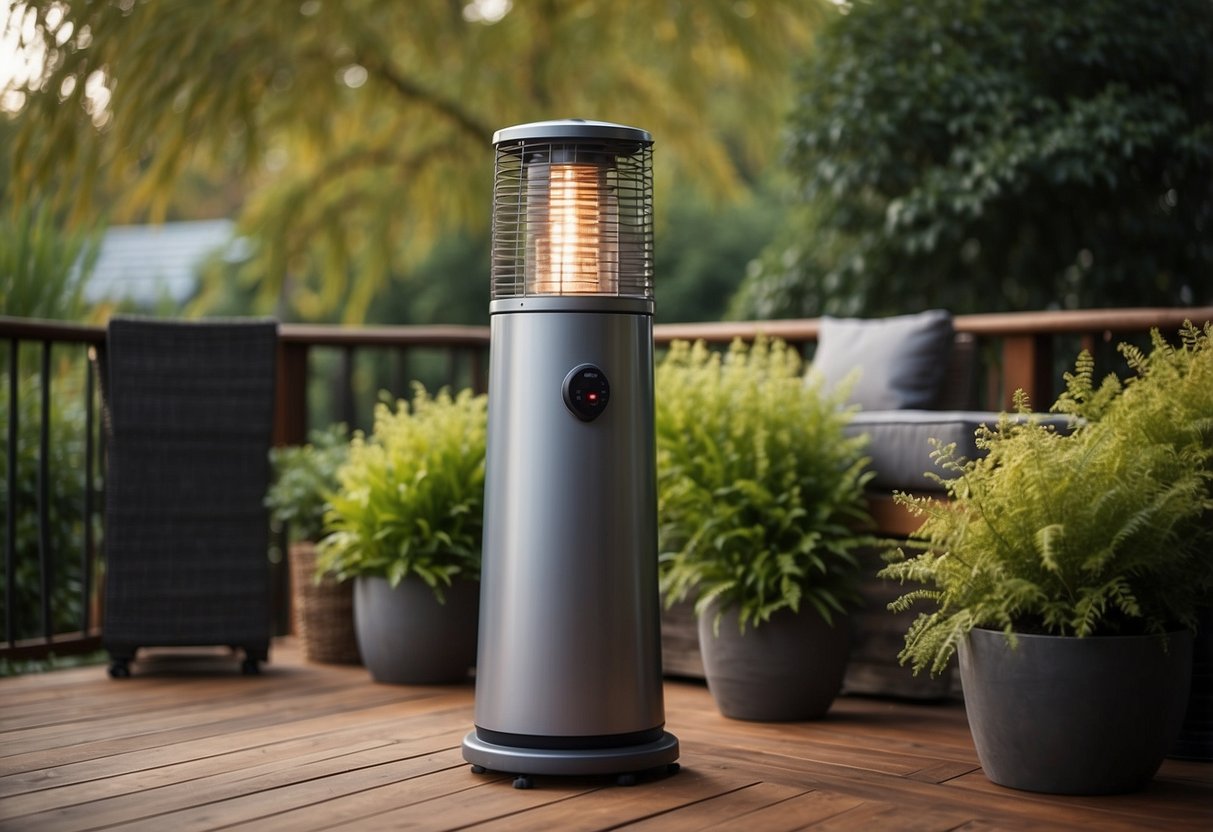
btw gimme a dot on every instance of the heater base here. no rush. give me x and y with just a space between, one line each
624 760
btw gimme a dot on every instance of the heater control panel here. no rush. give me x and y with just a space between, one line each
586 392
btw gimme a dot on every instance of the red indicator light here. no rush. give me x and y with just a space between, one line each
593 397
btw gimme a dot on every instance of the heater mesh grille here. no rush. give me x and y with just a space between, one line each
573 218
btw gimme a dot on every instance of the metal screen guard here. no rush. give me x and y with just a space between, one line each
572 219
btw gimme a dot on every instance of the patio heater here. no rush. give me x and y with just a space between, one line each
568 677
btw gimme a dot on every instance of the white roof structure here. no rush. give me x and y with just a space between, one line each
147 263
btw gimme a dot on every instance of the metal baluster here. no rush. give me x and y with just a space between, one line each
45 555
10 534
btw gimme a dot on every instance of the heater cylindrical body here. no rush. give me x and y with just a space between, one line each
570 646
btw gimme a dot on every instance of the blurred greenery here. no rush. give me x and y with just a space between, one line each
360 131
43 267
65 506
992 156
304 477
10 667
704 248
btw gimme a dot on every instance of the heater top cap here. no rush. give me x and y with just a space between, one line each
572 129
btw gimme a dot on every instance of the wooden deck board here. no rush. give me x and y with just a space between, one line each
189 744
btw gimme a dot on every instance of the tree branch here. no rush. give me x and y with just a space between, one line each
409 89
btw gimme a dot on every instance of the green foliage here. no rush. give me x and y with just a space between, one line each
42 267
703 250
411 498
362 130
760 492
1168 400
65 514
304 478
21 667
983 156
1101 531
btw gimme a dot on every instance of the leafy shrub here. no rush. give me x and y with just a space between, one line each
980 155
1169 399
411 496
304 477
760 492
1100 531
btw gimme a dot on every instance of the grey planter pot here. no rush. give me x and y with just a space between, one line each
407 638
1195 740
786 670
1074 715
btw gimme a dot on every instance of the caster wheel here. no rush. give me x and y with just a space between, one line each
250 667
673 768
522 782
626 779
478 769
120 669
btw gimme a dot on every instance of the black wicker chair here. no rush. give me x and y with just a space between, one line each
189 413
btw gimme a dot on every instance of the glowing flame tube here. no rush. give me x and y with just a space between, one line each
573 230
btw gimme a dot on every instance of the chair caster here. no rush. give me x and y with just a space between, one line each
120 669
522 781
250 667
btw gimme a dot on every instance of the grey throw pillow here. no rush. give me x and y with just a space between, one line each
900 360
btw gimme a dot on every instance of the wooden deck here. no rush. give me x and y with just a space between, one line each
187 744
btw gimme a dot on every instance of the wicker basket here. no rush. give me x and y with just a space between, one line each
323 616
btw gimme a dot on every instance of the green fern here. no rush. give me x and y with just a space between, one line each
1105 529
760 492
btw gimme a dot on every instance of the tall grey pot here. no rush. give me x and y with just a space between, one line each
1067 715
787 669
406 637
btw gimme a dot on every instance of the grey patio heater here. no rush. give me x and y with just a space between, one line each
568 677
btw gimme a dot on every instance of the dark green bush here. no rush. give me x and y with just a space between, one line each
983 155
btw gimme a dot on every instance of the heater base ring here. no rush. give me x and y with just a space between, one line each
570 761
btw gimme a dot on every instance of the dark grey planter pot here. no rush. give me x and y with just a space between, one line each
785 670
407 638
1195 740
1074 715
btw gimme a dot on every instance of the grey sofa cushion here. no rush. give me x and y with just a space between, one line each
900 446
901 360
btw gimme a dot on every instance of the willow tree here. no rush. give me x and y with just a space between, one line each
362 128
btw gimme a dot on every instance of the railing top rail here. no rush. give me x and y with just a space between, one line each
1079 321
441 335
1060 322
39 329
723 332
1076 321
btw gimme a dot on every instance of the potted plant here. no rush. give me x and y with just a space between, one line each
406 523
760 495
1174 408
1067 570
322 606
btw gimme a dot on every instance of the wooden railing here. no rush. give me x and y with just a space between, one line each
465 352
1019 350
